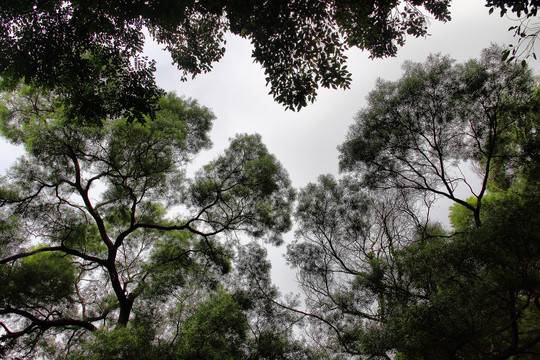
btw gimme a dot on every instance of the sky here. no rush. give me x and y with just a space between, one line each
306 142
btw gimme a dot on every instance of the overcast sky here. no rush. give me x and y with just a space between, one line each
305 142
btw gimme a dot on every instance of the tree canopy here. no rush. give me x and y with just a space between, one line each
109 248
90 52
382 276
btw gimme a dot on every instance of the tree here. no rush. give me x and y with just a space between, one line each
89 52
466 293
380 274
411 134
103 235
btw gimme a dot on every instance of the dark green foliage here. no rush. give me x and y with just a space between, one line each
123 343
217 331
468 296
90 52
519 7
43 278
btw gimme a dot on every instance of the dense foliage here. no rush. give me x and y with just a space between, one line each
108 250
382 276
90 52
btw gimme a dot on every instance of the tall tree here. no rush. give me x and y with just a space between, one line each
101 227
380 274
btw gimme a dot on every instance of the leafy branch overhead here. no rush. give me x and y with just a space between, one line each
90 52
527 30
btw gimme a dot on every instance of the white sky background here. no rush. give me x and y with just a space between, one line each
306 142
